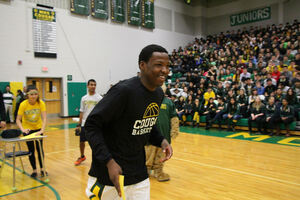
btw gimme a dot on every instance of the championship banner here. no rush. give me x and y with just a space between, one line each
80 7
44 33
134 12
99 9
250 16
118 10
148 14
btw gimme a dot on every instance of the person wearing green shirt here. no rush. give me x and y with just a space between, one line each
168 124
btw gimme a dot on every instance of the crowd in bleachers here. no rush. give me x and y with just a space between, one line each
251 73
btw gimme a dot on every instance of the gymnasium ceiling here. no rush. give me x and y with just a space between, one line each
210 3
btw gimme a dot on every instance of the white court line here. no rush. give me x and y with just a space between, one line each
238 171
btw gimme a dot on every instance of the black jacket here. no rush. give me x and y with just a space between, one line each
271 110
119 127
254 111
287 111
233 109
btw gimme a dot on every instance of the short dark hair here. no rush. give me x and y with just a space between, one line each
147 52
91 80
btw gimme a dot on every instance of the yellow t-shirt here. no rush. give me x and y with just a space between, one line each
207 96
31 114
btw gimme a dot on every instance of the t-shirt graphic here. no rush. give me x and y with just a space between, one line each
145 125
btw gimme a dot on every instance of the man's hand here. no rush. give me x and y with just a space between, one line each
167 149
2 124
268 118
114 170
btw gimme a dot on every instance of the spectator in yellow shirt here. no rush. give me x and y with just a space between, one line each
209 94
32 119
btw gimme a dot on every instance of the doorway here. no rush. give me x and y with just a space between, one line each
50 92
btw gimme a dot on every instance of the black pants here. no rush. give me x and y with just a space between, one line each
286 122
209 117
272 123
31 149
243 111
259 122
218 117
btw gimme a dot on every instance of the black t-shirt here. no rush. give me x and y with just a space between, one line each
119 127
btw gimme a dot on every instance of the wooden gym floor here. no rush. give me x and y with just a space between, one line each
207 165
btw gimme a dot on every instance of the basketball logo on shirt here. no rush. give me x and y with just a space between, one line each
145 125
151 111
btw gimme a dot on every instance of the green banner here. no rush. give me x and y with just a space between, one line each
80 7
134 12
99 9
250 16
148 14
118 10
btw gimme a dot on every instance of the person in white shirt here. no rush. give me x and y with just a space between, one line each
8 98
87 104
176 91
245 74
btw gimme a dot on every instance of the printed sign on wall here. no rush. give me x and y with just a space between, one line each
250 16
44 33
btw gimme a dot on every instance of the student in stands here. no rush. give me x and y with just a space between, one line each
257 115
248 86
272 116
260 89
188 109
197 110
208 95
232 114
242 101
253 96
270 86
32 119
219 90
229 95
221 109
209 112
180 108
286 116
291 97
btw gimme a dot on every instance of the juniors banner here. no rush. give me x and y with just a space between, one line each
250 16
148 14
99 9
134 12
118 10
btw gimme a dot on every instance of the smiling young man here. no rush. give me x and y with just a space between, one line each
121 124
